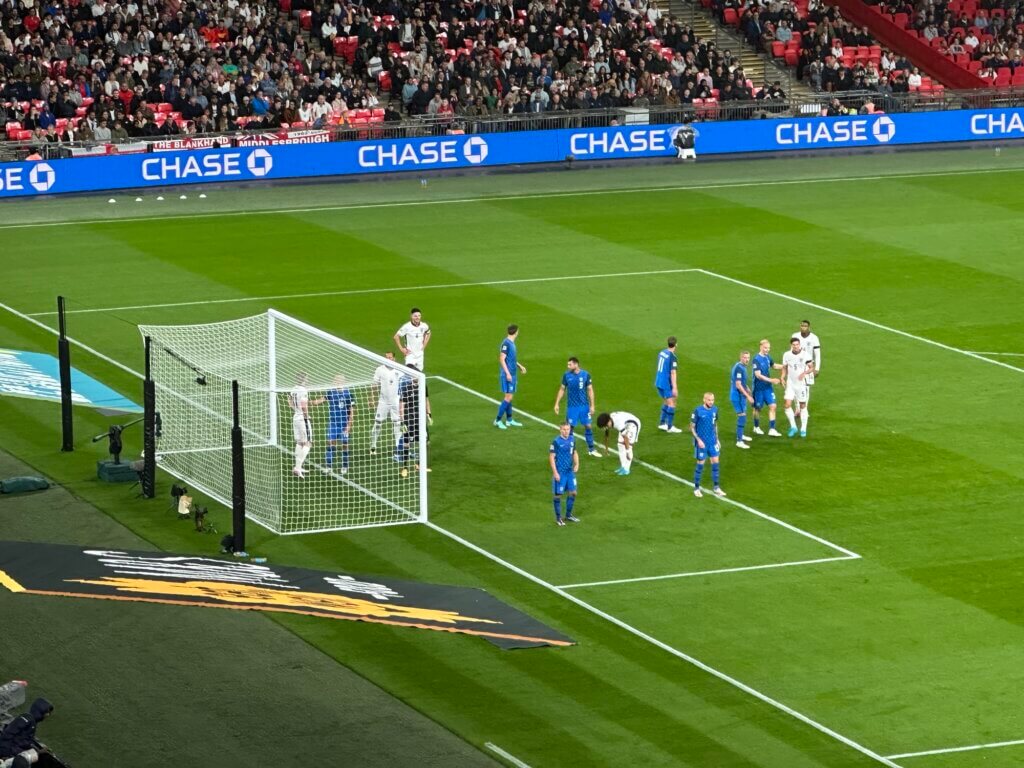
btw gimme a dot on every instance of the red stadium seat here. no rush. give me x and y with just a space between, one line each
901 20
23 135
778 49
164 107
306 20
729 14
792 57
285 6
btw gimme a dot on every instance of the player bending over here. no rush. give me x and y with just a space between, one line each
385 383
565 463
764 392
704 428
579 408
340 409
628 427
666 384
739 396
298 400
796 367
508 375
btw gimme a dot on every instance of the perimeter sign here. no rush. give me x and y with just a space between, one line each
68 571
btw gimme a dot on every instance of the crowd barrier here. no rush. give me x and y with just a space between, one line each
93 174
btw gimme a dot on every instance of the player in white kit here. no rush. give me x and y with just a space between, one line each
417 335
811 344
628 427
302 429
797 365
385 381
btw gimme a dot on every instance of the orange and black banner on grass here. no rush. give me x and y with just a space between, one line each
158 577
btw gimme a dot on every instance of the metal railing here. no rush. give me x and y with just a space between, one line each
419 127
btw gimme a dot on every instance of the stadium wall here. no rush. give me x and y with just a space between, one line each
112 172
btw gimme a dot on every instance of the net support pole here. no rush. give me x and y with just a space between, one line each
67 426
148 428
237 475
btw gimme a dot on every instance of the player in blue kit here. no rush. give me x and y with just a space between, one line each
739 396
565 463
340 408
508 374
764 392
579 408
704 428
667 386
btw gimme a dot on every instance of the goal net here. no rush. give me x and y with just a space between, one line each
334 435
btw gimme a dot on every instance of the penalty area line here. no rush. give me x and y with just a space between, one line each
712 572
666 647
952 750
848 554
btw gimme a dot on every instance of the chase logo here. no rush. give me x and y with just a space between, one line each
41 177
259 162
883 129
475 150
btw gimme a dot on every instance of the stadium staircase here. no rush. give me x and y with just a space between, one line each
758 67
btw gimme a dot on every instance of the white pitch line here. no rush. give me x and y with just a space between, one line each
864 321
508 756
528 196
666 647
1000 354
951 750
359 291
713 572
849 555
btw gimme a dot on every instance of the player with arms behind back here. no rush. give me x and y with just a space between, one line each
298 400
340 409
667 385
579 409
764 392
796 367
565 463
509 368
417 335
739 396
704 428
811 345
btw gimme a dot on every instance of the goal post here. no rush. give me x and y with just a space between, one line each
306 470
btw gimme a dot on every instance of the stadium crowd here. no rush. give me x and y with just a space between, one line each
109 70
829 52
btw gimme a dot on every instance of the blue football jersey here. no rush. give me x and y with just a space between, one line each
704 420
763 365
739 373
339 405
576 385
562 448
667 362
508 349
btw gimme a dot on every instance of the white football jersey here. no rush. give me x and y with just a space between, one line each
414 336
812 345
795 364
297 398
624 421
387 379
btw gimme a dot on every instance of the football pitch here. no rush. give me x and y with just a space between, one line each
854 601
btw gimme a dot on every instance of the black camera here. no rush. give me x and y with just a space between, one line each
177 491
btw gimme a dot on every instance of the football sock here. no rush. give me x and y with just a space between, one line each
670 415
792 418
757 421
804 416
508 410
396 428
329 460
501 410
714 473
301 452
374 435
771 424
741 424
626 459
589 434
344 457
569 502
664 415
558 507
696 475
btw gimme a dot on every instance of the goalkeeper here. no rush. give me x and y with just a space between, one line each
409 412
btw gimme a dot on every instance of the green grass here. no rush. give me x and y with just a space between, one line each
914 461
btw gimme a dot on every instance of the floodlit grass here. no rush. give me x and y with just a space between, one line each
913 462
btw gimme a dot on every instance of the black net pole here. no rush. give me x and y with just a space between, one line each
148 430
67 426
237 476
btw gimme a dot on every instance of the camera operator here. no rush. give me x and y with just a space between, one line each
18 744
